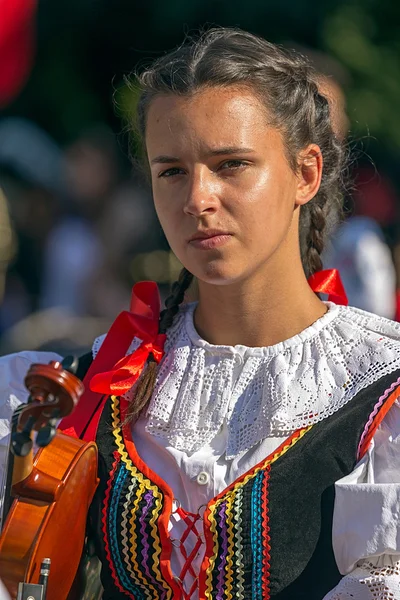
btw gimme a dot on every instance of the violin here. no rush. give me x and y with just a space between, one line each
48 494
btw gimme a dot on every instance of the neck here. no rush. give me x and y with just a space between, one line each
257 313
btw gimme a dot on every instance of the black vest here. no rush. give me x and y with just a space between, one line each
269 535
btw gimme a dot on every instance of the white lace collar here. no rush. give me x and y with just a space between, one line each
269 391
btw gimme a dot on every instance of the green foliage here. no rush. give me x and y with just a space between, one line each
361 35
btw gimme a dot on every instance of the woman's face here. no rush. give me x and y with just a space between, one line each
223 190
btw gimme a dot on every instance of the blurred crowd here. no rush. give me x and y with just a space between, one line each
77 229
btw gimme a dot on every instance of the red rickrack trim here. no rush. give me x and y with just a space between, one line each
265 534
190 519
380 411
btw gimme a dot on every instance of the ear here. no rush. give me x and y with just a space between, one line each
309 174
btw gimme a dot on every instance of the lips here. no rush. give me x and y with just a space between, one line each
209 238
207 234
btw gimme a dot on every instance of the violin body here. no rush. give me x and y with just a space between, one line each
48 517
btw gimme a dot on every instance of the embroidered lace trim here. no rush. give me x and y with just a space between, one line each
271 391
370 582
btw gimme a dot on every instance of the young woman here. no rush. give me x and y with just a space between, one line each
256 456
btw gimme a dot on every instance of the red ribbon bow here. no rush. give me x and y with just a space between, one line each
127 370
141 322
329 282
111 374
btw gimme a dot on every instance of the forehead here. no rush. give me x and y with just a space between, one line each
212 116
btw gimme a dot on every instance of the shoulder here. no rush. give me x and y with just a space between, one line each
368 322
369 339
370 348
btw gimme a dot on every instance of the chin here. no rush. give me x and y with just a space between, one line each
220 273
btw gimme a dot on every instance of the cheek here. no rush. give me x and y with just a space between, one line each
266 207
160 210
168 215
162 207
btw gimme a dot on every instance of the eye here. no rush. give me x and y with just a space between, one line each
233 164
171 172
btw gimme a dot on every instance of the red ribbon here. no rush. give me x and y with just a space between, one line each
108 373
126 371
329 282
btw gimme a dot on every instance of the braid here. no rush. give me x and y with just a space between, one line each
147 380
315 239
326 207
174 300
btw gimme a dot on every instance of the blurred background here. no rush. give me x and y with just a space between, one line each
77 226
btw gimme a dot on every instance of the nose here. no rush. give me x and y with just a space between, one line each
202 196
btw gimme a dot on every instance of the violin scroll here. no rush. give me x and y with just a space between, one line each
54 392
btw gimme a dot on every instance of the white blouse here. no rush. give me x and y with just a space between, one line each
217 411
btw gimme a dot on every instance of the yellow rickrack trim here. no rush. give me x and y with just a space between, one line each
139 579
239 546
157 549
144 484
132 522
213 507
229 561
213 529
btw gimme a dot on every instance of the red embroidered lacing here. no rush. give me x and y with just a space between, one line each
195 541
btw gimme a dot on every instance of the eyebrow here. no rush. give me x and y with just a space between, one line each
165 159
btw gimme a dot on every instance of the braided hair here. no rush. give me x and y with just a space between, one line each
146 382
288 87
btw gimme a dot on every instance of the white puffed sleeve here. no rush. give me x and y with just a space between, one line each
13 369
366 520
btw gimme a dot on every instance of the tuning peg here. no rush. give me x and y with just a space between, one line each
21 443
71 364
46 433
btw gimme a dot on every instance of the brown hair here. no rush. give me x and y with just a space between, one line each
288 86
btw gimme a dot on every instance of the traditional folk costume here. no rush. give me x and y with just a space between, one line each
256 473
